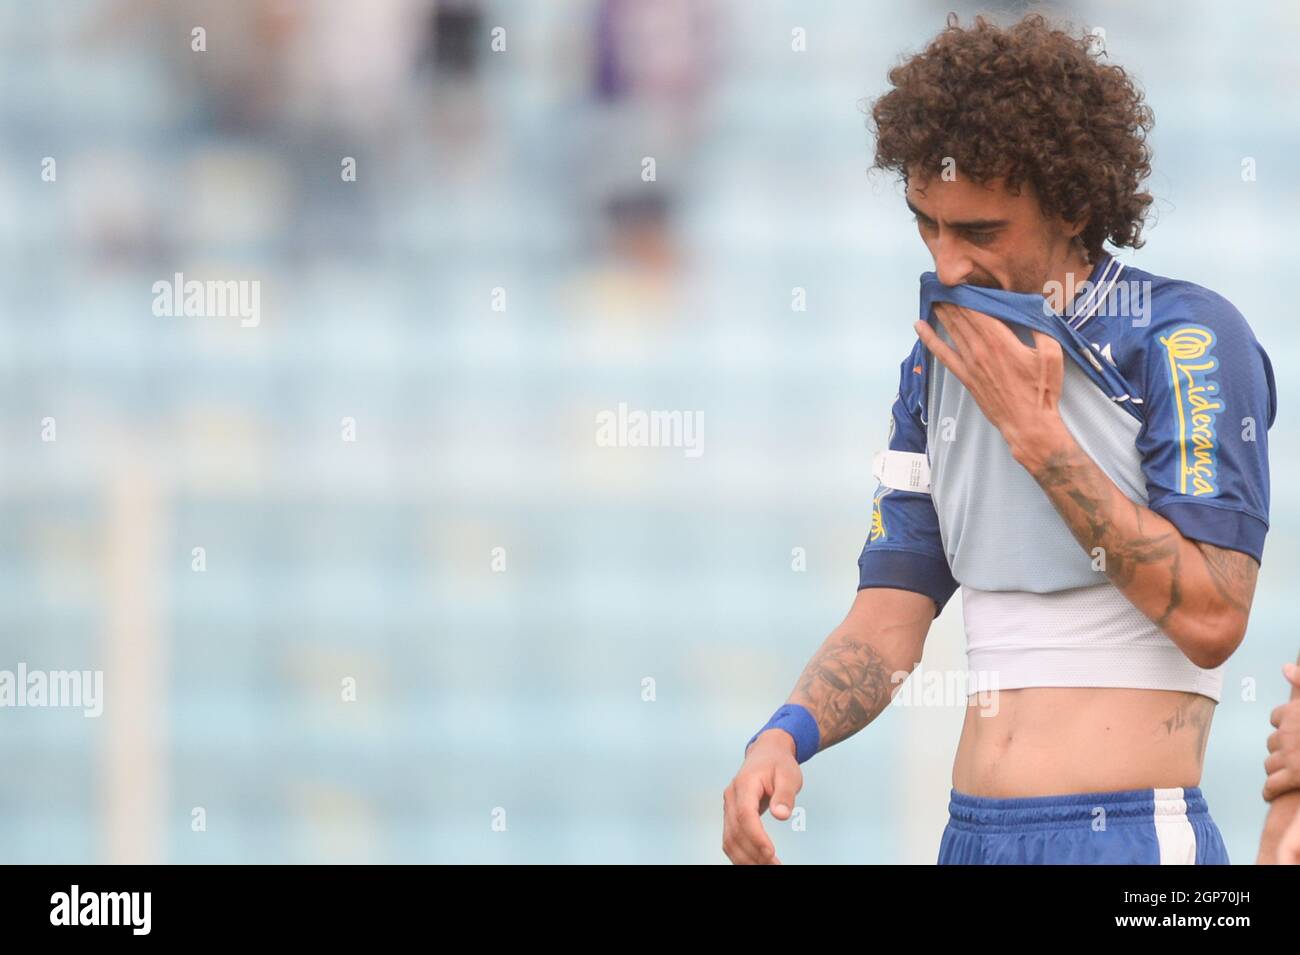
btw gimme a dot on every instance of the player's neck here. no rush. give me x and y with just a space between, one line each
1075 269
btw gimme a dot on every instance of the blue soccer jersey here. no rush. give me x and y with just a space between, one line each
1198 394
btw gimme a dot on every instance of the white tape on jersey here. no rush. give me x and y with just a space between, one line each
902 470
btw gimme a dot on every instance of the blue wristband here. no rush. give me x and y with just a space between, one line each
799 722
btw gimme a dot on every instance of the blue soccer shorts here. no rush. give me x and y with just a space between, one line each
1127 827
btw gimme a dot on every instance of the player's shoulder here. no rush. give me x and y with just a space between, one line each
1165 319
1197 330
1175 302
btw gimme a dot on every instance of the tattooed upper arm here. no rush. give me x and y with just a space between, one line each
1234 574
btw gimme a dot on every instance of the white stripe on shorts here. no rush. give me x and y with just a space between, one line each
1174 832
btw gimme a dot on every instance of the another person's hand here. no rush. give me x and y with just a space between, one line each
1288 847
1283 762
770 775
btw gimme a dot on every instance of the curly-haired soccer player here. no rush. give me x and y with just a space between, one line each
1079 445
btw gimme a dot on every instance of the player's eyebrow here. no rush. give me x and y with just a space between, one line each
969 225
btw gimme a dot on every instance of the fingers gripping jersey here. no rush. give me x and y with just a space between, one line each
1198 395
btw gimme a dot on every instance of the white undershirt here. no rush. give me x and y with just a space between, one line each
1087 636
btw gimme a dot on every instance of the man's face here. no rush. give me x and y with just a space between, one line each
983 234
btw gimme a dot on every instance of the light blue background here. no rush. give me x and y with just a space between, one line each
327 559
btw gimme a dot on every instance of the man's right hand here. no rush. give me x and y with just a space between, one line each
769 775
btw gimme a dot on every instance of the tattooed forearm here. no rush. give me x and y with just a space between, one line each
1179 584
845 686
1071 475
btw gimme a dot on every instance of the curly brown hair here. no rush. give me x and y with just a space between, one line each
1029 102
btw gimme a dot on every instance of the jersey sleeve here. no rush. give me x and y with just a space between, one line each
904 549
1210 398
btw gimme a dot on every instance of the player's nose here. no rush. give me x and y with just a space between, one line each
951 265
